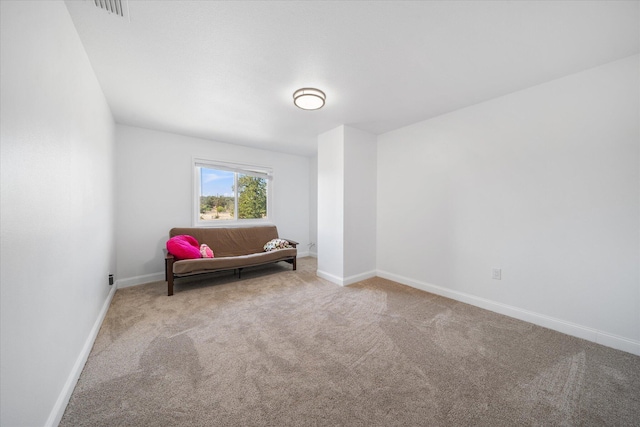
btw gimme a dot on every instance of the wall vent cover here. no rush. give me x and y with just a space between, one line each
114 6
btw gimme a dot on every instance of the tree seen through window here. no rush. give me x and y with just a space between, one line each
223 192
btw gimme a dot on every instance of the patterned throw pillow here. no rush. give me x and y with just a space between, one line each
275 244
206 251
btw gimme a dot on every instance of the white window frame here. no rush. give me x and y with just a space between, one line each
238 168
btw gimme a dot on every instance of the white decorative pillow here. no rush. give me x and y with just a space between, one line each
275 244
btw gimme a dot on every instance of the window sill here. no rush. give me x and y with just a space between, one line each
233 224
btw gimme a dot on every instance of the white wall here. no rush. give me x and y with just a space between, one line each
313 205
57 219
359 204
155 187
331 204
544 184
346 205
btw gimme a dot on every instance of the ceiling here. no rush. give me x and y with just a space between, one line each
226 71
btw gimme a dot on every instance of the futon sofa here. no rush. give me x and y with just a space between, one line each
234 248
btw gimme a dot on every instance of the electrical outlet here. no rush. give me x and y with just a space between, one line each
496 274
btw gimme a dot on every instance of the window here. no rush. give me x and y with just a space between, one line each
228 192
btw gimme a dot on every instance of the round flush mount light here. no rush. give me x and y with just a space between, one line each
309 98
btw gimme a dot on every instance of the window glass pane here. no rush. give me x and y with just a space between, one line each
252 197
217 195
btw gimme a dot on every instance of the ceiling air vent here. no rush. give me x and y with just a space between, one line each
113 6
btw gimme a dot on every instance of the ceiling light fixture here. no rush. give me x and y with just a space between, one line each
309 98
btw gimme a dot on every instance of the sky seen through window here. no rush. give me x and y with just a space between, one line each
216 182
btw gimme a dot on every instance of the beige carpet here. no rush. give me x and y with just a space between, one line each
285 348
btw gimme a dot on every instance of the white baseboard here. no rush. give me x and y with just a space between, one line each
569 328
303 254
358 277
619 343
139 280
313 254
63 399
330 277
345 281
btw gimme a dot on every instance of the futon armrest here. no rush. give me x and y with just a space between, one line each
292 242
169 256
